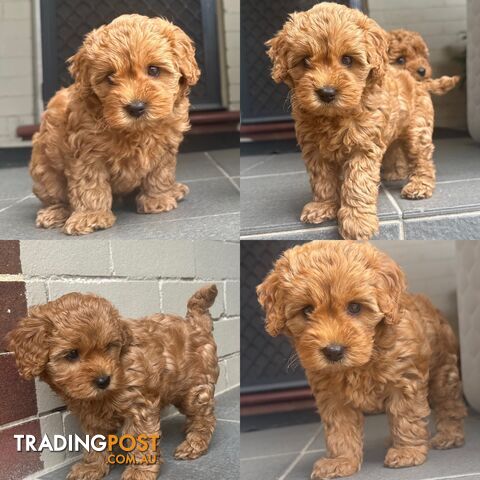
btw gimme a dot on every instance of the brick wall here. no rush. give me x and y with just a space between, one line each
231 16
140 278
16 67
439 22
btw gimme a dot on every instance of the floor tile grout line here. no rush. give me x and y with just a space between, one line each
266 175
222 170
302 453
16 203
255 165
227 420
396 206
260 457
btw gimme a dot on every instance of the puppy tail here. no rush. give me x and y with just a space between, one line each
442 85
199 303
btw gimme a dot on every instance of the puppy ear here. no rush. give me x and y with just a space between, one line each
29 342
377 51
127 337
391 285
184 50
277 51
269 297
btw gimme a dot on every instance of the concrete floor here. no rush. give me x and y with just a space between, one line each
289 453
275 188
221 462
211 210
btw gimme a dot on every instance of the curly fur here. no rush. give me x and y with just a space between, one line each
152 362
90 149
400 352
375 106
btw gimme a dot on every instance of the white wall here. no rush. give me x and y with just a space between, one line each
439 22
16 68
430 268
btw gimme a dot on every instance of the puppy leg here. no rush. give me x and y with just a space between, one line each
94 466
198 407
159 191
445 395
144 419
324 181
343 428
420 152
90 197
408 427
394 163
357 217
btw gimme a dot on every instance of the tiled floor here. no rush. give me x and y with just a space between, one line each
220 462
211 210
289 454
275 188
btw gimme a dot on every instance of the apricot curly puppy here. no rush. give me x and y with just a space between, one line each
117 129
349 106
367 346
117 374
407 50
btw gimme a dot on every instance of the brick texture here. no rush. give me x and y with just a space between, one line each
13 305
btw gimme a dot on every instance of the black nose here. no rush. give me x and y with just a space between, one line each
334 352
421 71
327 94
136 108
103 381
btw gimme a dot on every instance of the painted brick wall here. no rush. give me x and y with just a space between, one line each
430 268
140 278
16 67
231 17
439 22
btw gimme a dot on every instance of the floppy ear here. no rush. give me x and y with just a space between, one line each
184 50
127 337
269 297
391 285
29 342
277 51
377 51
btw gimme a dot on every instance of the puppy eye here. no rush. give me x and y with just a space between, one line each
72 355
109 79
113 345
307 310
400 60
153 71
354 308
306 62
347 60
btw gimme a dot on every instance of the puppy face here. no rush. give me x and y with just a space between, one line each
408 51
329 56
329 298
74 344
137 68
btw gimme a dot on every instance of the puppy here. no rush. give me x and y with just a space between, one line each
407 50
349 107
117 374
367 345
117 129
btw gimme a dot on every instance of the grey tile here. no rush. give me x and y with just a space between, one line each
229 160
277 440
236 180
390 230
209 211
275 164
247 163
15 183
440 463
195 166
6 203
229 406
451 227
269 468
273 204
221 462
456 197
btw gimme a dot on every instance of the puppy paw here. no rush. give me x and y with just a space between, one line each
179 191
398 457
356 226
133 473
53 216
444 440
88 471
333 468
318 212
81 223
191 448
416 190
163 202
